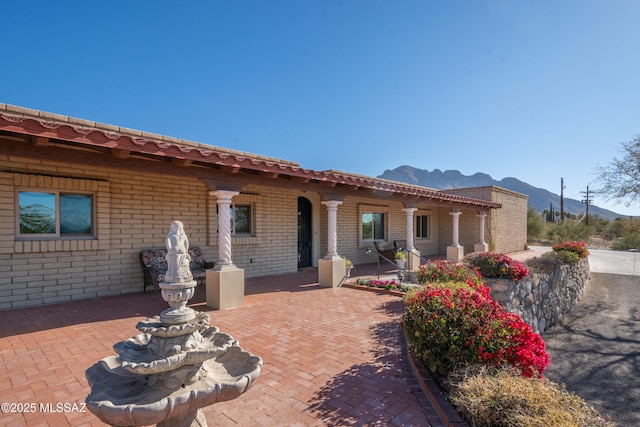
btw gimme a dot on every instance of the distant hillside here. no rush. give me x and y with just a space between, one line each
539 198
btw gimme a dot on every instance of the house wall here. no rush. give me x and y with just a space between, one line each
134 211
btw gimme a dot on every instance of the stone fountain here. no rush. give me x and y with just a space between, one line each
177 365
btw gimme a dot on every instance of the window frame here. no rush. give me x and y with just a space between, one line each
57 235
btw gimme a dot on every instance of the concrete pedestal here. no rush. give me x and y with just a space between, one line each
413 260
225 287
481 247
455 253
331 272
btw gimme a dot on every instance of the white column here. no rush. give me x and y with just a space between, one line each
409 212
223 199
456 225
482 215
481 246
332 236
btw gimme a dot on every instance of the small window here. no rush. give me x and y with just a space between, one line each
54 214
422 226
373 226
241 219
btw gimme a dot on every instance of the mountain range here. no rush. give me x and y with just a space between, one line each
539 198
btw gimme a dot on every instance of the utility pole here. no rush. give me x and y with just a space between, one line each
586 201
562 200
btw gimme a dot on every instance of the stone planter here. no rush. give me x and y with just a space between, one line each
542 299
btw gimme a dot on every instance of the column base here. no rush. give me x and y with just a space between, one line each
481 247
225 287
331 272
455 253
413 260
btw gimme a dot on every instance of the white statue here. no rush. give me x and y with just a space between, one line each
178 258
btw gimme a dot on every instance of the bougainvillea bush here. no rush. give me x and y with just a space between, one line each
447 328
578 248
447 271
497 266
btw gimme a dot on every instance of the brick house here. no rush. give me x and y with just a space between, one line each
109 192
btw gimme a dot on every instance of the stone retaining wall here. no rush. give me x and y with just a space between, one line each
541 299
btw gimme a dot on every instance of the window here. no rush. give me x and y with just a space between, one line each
422 226
373 226
43 214
241 219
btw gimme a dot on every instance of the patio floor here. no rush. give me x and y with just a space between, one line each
331 356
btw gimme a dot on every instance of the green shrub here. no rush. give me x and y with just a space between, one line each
568 231
497 266
564 257
535 224
626 242
502 397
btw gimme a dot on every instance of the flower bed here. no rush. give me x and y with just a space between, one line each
386 285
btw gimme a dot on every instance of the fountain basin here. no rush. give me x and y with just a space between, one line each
123 398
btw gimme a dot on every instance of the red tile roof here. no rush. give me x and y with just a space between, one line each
48 125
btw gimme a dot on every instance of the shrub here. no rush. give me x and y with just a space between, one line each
497 266
565 257
626 242
490 397
568 231
447 271
578 248
447 328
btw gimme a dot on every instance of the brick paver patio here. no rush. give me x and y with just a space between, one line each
331 356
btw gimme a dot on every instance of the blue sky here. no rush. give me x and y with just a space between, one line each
536 90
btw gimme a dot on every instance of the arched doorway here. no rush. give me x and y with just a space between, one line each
305 244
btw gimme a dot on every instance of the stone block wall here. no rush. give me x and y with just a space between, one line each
542 299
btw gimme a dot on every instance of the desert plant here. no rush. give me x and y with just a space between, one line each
498 266
502 397
568 231
535 224
627 242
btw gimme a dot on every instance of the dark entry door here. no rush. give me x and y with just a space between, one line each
304 232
